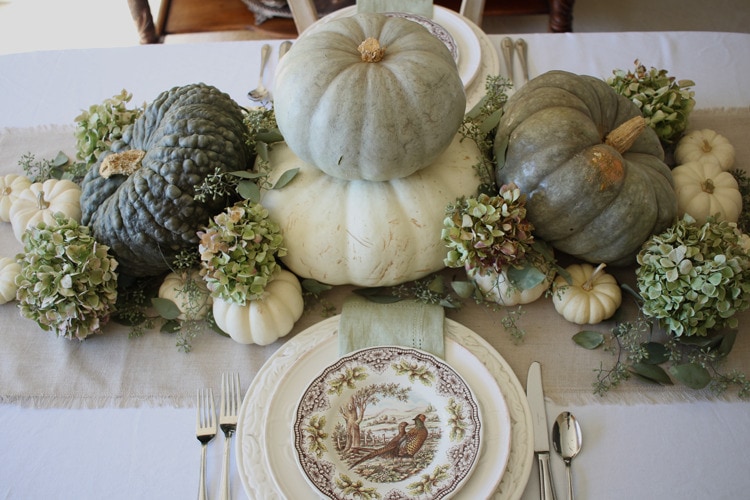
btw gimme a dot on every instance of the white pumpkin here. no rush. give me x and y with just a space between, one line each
194 302
9 269
367 233
498 288
703 189
592 297
700 145
10 187
264 320
41 200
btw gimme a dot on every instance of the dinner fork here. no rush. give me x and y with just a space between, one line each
205 430
228 409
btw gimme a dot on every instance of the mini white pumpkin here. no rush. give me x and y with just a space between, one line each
264 320
700 145
703 189
367 233
9 269
498 288
590 298
194 302
10 187
41 200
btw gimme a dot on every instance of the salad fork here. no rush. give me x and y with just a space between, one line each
228 410
205 430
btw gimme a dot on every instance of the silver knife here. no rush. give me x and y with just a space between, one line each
535 395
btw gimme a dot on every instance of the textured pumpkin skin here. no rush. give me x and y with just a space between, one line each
264 320
367 233
372 121
149 216
584 198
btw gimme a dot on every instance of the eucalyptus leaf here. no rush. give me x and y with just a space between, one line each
491 121
657 353
477 109
245 174
526 277
314 286
60 160
269 137
170 326
286 178
463 289
379 295
249 190
588 339
727 342
691 374
651 373
261 149
165 308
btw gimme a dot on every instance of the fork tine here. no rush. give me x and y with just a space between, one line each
230 394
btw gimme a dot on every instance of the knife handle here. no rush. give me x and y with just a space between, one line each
546 489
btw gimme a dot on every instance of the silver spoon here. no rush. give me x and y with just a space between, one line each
521 48
567 440
260 93
506 44
284 48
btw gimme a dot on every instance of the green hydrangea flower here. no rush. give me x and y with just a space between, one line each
695 278
238 252
68 282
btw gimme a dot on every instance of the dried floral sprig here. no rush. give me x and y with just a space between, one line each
664 102
238 252
68 282
694 278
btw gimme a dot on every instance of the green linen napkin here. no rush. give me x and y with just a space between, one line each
420 7
407 323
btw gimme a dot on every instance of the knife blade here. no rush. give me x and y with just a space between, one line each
535 395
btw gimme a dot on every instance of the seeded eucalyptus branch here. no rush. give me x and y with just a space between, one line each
479 125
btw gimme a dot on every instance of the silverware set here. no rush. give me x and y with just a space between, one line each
206 427
260 93
566 435
508 48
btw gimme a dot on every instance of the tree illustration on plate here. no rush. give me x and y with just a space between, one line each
353 411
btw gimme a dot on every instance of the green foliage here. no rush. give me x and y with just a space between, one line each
315 435
743 183
59 167
415 371
103 124
480 123
68 282
695 278
238 252
664 102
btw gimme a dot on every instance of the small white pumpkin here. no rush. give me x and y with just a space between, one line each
590 298
41 200
700 145
498 288
194 302
367 233
703 189
264 320
9 269
10 187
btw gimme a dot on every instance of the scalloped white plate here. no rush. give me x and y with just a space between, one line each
264 449
393 396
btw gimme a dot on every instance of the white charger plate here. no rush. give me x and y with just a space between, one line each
466 38
264 449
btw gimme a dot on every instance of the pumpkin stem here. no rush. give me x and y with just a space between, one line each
371 50
589 284
623 137
41 202
124 163
706 146
708 186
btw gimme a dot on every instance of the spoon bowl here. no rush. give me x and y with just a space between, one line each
567 441
261 92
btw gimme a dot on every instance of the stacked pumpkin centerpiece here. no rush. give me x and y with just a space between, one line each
369 107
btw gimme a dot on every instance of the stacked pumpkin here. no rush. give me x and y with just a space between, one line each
369 107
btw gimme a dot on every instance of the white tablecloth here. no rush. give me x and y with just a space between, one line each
678 450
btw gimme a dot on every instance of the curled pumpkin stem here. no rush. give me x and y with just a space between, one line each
708 186
371 50
589 284
623 137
